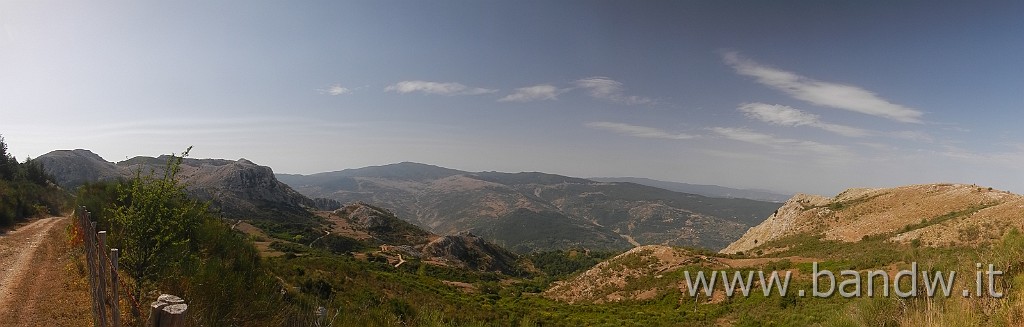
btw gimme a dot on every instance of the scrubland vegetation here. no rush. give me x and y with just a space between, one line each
26 191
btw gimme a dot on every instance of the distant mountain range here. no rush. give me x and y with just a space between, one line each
537 211
523 212
714 191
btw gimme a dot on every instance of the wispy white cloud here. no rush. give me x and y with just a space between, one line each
835 95
913 136
879 146
437 88
335 90
741 156
639 131
534 93
608 89
748 136
789 116
955 128
1010 157
597 87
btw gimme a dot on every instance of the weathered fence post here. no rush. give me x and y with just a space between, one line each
115 310
167 311
102 262
90 257
154 313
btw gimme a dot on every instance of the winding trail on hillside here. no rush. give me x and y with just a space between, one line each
629 239
36 287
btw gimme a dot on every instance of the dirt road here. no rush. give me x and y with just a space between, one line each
39 282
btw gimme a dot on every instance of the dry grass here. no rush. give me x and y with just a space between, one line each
608 280
935 214
260 239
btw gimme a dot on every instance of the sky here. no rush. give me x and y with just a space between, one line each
792 96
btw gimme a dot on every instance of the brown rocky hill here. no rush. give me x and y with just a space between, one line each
537 211
72 168
472 252
934 214
375 225
616 279
379 227
238 188
651 272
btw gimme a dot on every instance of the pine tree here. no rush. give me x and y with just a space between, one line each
6 168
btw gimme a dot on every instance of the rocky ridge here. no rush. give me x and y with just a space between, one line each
238 188
933 214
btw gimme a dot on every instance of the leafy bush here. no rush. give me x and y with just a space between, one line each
562 263
288 247
155 221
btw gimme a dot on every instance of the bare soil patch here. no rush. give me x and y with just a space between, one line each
42 282
755 262
260 239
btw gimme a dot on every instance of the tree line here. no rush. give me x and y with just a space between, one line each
26 190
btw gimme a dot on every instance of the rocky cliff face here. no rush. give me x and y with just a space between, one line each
239 189
934 214
242 188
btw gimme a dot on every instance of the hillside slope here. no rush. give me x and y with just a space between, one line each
714 191
380 228
614 279
72 168
934 214
538 211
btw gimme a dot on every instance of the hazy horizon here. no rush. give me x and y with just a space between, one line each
794 96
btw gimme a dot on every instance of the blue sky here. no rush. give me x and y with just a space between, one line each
797 96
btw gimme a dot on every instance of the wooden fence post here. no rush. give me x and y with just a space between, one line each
102 262
167 311
90 256
154 313
115 311
173 315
